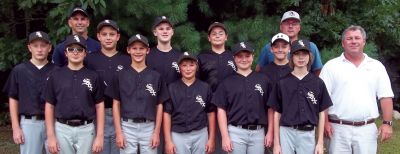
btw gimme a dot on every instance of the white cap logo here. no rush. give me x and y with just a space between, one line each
186 53
107 21
138 36
301 43
38 34
77 38
291 13
163 17
242 45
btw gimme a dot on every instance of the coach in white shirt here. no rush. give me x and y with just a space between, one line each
355 82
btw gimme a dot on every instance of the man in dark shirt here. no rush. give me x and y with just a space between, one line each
24 89
78 21
242 106
107 63
138 94
74 99
163 58
188 113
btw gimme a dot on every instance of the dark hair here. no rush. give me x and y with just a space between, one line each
310 60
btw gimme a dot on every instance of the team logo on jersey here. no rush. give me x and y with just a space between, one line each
230 63
310 95
149 87
199 100
259 88
175 65
87 83
38 34
301 43
120 67
77 38
242 45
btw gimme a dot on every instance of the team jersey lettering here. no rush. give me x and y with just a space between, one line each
259 88
149 87
199 100
310 95
87 82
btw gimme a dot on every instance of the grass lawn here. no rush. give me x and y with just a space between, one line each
390 147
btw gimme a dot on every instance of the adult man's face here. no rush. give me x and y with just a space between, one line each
353 42
78 23
290 27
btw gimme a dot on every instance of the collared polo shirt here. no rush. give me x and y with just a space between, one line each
354 90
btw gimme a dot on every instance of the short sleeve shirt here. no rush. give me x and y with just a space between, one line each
107 67
165 63
299 101
138 92
74 93
189 105
355 90
244 98
214 67
26 84
276 72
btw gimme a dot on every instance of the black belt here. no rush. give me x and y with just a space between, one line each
306 127
352 123
34 117
74 122
249 127
136 120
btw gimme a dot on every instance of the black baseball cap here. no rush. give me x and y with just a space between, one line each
139 38
76 10
216 24
187 56
75 39
107 22
300 45
39 35
242 46
161 19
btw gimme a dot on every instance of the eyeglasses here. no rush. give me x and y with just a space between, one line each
73 50
291 23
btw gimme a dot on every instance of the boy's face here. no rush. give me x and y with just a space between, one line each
188 69
108 37
78 23
75 53
280 49
301 58
243 60
163 32
138 51
39 49
217 36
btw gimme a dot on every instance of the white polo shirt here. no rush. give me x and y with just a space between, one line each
354 90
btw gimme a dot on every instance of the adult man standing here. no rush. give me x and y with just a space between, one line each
290 25
354 81
78 21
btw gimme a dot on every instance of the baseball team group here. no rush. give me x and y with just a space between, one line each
91 98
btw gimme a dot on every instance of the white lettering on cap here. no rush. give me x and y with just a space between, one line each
38 34
291 13
107 21
163 17
77 38
242 45
186 53
301 43
138 36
